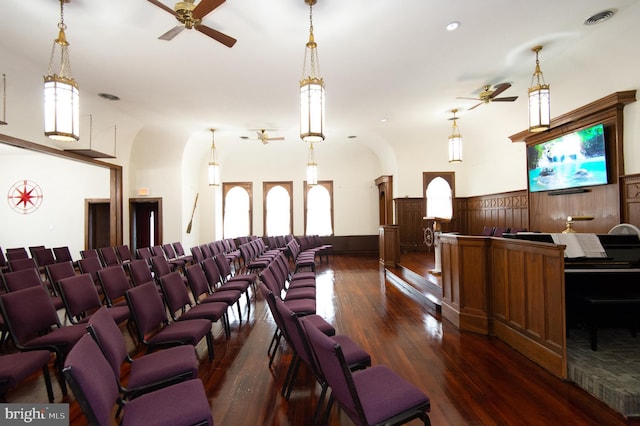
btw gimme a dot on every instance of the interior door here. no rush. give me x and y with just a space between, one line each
145 219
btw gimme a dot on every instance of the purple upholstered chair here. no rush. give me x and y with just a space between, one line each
91 265
201 292
124 253
114 283
16 367
217 283
81 300
140 272
179 305
94 386
196 254
179 249
108 256
26 278
58 271
28 313
376 395
153 328
148 372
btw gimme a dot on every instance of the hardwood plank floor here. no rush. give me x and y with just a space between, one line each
471 379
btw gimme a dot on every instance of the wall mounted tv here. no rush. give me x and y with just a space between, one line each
574 160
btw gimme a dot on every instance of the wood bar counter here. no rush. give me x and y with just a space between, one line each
511 289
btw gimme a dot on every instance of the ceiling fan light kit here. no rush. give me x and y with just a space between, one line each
190 17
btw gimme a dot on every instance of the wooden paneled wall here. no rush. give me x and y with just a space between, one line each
631 199
508 209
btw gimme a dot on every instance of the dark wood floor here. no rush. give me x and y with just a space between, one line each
471 379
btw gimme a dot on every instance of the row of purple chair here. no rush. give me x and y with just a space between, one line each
368 395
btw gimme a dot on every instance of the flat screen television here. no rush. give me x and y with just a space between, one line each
574 160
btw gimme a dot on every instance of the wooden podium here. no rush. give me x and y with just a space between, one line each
389 245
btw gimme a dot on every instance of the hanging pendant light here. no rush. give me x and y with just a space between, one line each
311 90
455 141
61 94
213 169
312 168
539 99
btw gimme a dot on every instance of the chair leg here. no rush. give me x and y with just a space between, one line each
327 411
210 345
239 311
59 365
318 410
47 382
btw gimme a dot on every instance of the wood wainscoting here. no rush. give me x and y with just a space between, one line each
507 210
511 289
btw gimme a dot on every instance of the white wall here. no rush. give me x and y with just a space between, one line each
65 184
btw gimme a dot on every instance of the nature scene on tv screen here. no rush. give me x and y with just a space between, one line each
573 160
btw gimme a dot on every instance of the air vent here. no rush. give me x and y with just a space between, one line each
600 17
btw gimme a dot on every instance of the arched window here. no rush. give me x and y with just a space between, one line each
319 209
278 205
439 199
237 209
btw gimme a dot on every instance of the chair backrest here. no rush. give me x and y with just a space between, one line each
108 256
223 267
58 271
157 250
63 254
197 281
144 253
211 271
124 253
91 380
147 309
177 246
175 293
160 266
22 263
500 231
107 334
114 283
79 296
335 370
90 265
28 312
271 302
24 278
44 257
86 254
197 254
169 251
140 272
206 250
17 253
32 250
269 279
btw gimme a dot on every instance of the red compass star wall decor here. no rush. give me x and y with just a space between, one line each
25 196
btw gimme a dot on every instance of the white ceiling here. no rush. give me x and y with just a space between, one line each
379 59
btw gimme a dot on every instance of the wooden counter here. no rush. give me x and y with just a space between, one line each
511 289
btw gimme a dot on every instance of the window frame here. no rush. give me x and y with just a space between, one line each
328 185
247 186
266 187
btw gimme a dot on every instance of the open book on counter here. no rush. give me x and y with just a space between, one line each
580 244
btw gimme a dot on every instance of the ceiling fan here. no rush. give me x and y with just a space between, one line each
487 95
263 137
190 16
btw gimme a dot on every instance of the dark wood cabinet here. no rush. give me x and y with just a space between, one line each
409 218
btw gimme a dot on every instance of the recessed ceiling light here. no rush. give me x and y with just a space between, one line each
384 120
452 26
109 97
600 17
351 137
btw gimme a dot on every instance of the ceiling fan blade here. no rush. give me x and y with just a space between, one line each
164 7
169 35
475 106
473 99
216 35
499 88
505 99
279 138
204 7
